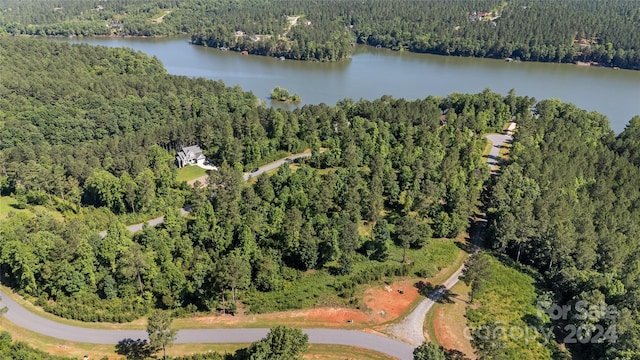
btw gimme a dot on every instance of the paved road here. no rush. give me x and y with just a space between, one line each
153 222
498 141
203 180
411 329
274 165
28 320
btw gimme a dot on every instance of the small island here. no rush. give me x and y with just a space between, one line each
282 94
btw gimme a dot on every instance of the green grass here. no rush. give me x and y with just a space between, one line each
435 256
310 290
319 288
339 352
253 179
190 172
506 298
429 325
8 205
487 148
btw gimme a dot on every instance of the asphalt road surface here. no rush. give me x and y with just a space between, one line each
30 321
274 165
498 140
411 328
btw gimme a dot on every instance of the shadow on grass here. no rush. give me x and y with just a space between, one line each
17 206
134 349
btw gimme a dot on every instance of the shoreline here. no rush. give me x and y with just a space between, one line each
187 35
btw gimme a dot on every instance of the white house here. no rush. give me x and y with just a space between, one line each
190 155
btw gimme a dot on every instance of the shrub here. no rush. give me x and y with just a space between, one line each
37 197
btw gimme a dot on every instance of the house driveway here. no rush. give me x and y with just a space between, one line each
411 328
203 180
208 167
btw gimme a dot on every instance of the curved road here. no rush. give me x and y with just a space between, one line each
411 328
185 210
274 165
30 321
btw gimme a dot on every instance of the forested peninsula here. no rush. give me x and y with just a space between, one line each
599 32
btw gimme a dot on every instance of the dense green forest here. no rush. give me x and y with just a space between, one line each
602 31
91 132
567 205
95 128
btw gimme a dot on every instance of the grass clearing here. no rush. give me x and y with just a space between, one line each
444 273
311 290
341 352
160 17
190 172
435 262
506 299
9 204
435 256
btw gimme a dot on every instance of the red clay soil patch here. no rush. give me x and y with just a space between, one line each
450 326
381 306
321 317
386 303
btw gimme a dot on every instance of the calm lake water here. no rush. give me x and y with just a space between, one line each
371 73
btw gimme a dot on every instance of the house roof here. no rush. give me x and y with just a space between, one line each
191 152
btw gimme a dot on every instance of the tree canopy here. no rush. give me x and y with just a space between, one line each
602 31
566 204
389 162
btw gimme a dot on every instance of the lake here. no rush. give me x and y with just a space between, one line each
371 73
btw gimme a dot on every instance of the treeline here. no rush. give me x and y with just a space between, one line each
391 174
602 31
567 204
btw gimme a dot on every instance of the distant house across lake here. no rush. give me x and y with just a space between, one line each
190 155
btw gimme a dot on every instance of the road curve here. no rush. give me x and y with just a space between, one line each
274 165
411 328
185 210
33 322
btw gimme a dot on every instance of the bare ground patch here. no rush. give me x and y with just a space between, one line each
449 321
